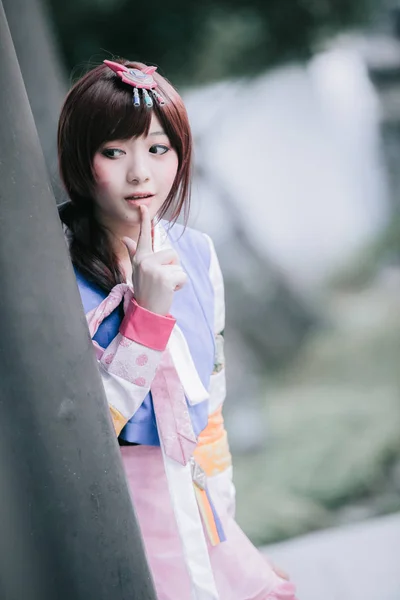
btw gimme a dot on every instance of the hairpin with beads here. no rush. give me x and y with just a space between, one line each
139 79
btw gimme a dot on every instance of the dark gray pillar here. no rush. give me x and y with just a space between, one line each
68 530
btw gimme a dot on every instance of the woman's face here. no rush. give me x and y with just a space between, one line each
132 172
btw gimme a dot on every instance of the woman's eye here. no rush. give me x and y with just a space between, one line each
112 152
159 149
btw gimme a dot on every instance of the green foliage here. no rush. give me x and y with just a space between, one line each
332 426
196 42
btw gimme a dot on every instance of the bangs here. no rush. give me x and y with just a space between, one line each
113 115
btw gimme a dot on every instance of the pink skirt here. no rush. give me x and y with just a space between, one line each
240 571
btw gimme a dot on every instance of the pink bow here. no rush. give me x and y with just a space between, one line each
106 307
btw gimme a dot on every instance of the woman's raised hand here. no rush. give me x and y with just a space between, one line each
155 275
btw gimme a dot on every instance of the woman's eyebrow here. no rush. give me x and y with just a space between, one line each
160 132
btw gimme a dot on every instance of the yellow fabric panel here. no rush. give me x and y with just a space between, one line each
119 420
212 452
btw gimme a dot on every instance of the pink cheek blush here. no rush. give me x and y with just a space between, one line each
101 174
103 184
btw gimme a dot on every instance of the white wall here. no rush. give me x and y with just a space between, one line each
298 151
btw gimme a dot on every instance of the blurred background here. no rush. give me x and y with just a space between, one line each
295 109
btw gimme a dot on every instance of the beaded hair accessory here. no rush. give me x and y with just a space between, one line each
139 79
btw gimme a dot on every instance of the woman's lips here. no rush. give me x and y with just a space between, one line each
137 200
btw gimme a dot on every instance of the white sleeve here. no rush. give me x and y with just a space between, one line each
127 369
221 485
129 363
217 381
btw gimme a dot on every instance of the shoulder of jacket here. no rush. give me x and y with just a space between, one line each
91 294
189 239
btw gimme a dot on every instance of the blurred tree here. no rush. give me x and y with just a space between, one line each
198 42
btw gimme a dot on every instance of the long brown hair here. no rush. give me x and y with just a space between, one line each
99 109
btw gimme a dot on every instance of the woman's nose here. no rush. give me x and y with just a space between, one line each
138 171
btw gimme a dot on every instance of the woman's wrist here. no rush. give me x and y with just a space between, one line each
154 308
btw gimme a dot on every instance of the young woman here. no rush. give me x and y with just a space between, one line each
153 294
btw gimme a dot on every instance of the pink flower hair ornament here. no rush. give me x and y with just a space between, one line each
139 79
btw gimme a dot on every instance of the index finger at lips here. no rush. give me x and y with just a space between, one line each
144 243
